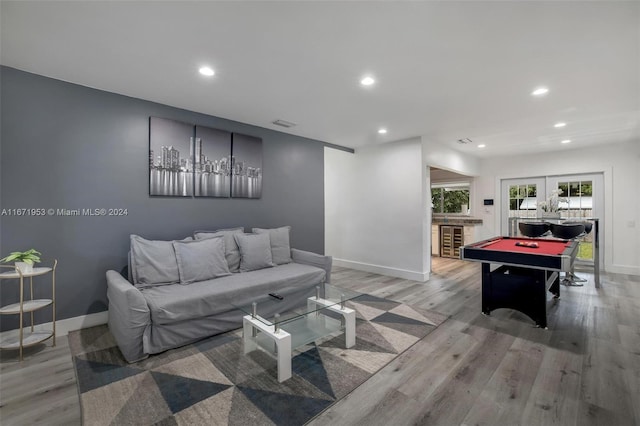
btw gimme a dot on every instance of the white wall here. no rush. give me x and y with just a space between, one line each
485 188
443 157
620 165
376 209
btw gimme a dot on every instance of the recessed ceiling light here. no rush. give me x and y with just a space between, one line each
367 81
382 131
206 71
566 141
557 125
481 145
540 91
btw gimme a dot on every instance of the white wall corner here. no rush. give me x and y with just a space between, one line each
427 218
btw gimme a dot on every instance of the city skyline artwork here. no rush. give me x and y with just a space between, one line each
188 160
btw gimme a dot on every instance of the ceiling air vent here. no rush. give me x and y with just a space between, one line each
465 141
283 123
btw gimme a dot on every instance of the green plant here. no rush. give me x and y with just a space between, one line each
30 257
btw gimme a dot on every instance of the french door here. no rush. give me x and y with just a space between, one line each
582 196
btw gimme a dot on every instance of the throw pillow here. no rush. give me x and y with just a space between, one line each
153 262
231 251
280 247
255 251
201 260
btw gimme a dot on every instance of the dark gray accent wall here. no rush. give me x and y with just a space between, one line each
65 146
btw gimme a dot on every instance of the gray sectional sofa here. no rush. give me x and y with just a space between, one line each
178 292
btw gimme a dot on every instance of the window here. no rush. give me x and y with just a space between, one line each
450 197
523 200
578 198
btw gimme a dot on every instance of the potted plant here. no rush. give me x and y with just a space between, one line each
551 207
24 260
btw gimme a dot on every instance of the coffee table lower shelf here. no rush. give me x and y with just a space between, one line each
279 340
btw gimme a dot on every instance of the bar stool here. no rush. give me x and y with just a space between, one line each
533 229
588 226
568 231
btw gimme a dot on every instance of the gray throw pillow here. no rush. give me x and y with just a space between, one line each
201 260
255 251
154 262
280 247
231 251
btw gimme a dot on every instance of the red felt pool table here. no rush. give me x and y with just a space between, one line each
525 273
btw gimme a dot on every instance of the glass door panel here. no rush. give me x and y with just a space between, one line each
520 198
582 197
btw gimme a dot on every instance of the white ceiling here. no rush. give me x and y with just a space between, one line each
444 70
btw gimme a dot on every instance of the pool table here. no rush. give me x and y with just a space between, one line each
528 267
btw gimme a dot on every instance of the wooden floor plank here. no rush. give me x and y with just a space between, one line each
553 399
41 390
507 392
605 391
451 402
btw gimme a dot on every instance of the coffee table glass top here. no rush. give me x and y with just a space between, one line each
265 306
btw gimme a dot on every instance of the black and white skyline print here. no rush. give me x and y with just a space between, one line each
170 160
211 154
186 160
246 166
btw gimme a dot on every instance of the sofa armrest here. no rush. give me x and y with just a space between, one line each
129 316
313 259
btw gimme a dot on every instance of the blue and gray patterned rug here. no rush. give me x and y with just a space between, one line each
211 382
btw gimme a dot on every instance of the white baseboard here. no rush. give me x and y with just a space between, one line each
85 321
63 327
383 270
624 269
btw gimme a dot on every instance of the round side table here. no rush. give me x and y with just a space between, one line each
30 337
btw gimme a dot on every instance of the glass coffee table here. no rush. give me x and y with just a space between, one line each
277 328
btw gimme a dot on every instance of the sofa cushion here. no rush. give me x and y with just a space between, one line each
232 253
201 260
255 251
174 303
279 239
153 262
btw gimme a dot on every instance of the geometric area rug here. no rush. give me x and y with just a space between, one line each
211 382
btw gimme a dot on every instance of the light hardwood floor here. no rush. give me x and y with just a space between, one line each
472 370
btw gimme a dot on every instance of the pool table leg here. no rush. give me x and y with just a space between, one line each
486 290
555 287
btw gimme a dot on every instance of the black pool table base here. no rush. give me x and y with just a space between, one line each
522 289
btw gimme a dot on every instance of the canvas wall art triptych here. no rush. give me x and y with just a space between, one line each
187 160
